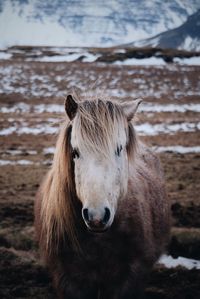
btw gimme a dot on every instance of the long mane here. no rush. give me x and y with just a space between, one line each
96 121
58 193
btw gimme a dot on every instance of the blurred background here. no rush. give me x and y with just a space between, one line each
123 49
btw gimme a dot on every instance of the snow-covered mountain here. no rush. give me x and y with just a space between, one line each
184 37
88 22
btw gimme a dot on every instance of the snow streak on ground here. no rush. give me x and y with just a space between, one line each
64 54
58 108
145 129
17 162
84 56
51 150
178 149
24 162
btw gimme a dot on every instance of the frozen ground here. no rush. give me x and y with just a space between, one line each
36 80
32 94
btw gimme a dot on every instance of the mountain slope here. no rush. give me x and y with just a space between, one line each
89 22
185 37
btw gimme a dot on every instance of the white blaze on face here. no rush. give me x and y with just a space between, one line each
101 179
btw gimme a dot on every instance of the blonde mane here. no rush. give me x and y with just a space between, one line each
97 122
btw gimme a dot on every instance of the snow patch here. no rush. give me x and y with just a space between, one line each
7 131
5 56
49 150
19 107
169 262
50 108
144 61
188 61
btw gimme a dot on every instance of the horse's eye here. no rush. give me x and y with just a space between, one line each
119 149
75 153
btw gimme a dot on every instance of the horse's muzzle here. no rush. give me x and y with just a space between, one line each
96 224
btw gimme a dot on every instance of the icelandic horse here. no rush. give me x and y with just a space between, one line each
101 214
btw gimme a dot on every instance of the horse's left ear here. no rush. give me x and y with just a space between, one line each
70 107
130 108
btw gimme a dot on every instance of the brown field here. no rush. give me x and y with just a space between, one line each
28 130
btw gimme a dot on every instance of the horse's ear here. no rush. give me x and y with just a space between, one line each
70 107
130 108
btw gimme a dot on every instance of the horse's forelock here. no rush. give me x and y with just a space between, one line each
98 122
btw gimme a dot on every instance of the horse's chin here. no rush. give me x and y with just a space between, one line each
97 230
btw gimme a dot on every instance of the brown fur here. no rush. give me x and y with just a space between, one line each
113 264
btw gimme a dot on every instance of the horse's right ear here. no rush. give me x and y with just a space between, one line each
70 107
130 108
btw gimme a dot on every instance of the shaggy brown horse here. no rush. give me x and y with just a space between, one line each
101 214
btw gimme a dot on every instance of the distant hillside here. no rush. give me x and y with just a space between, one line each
184 37
89 22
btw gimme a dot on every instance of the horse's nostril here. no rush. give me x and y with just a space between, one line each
86 215
106 216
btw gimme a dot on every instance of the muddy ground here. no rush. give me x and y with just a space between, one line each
25 156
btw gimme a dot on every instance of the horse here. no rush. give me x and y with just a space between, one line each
101 213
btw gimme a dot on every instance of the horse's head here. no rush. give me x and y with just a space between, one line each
102 141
